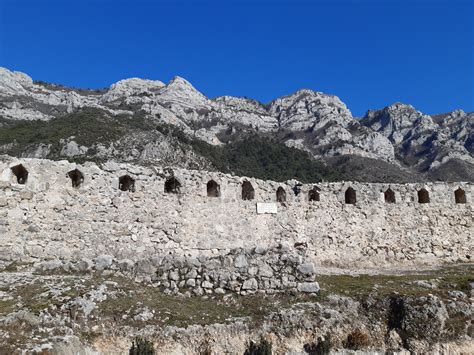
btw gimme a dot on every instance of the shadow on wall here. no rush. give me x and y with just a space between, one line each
127 183
389 196
350 196
21 173
423 196
281 195
248 193
77 178
460 196
313 194
172 185
213 189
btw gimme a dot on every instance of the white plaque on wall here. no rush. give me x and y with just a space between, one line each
266 208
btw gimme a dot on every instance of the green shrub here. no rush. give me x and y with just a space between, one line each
141 346
265 159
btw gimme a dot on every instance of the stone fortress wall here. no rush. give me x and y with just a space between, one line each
190 235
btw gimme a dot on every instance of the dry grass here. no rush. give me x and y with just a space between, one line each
357 340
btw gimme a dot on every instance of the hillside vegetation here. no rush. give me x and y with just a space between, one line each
253 156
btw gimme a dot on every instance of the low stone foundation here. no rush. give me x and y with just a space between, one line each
244 272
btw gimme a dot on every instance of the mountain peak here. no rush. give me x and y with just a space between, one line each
180 89
13 81
181 84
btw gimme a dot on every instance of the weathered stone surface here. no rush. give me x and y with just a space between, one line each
265 270
191 274
308 287
84 265
51 265
103 261
174 275
307 269
260 249
191 282
240 261
250 284
126 265
26 195
207 284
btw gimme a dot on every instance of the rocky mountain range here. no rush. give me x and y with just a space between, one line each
149 122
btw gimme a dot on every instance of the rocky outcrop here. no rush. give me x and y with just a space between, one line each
423 141
130 87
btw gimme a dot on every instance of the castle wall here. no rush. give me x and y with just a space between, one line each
47 219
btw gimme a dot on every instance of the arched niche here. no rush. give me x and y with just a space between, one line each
20 173
172 185
389 196
350 196
248 192
460 195
313 194
281 194
423 196
213 189
127 183
77 177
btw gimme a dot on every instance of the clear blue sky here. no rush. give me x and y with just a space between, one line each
369 53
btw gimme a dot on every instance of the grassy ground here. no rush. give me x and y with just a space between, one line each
125 299
127 296
446 279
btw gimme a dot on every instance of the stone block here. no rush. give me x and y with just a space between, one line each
308 287
306 269
207 284
250 284
241 261
192 274
191 282
103 261
265 270
260 250
174 275
146 266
